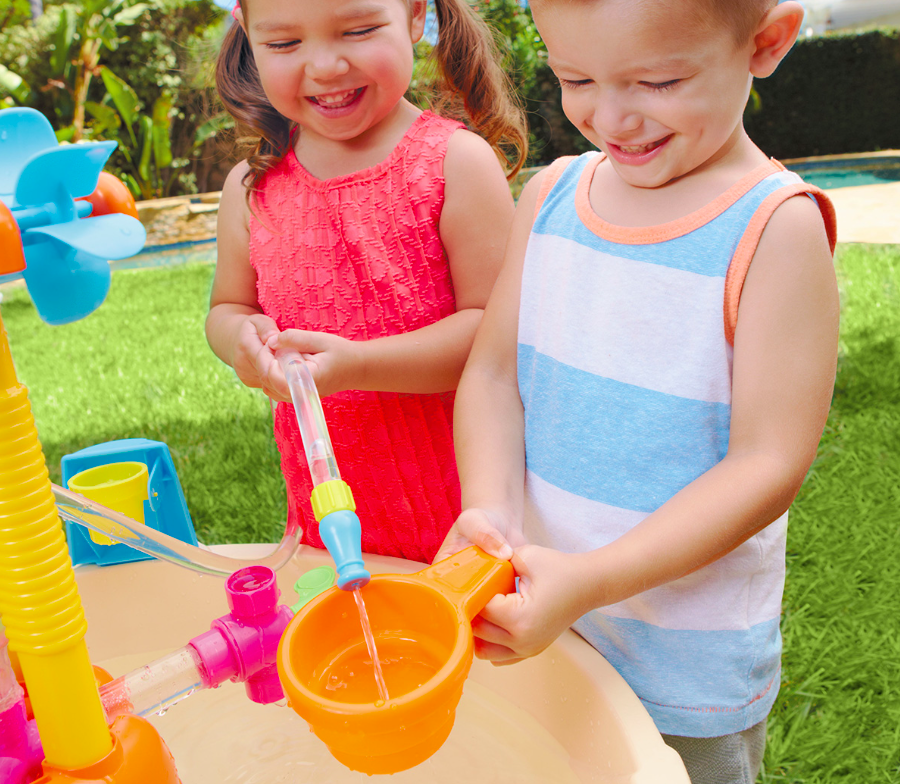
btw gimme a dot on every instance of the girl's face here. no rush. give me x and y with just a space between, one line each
642 82
336 67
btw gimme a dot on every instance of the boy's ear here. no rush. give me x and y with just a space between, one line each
417 10
774 37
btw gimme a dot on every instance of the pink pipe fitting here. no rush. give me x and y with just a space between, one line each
241 646
21 754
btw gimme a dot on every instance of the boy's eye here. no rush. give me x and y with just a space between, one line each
661 85
572 84
283 44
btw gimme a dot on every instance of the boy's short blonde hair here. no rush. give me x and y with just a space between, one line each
742 17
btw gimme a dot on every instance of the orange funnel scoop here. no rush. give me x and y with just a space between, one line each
422 629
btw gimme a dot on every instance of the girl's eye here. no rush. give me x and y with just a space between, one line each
661 85
282 45
361 33
573 84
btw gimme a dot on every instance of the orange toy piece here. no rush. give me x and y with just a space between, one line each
111 196
423 634
12 257
139 756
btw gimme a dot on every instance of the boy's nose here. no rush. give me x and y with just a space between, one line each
613 116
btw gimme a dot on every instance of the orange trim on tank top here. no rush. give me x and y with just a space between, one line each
646 235
743 255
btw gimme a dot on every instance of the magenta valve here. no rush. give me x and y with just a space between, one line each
252 591
242 645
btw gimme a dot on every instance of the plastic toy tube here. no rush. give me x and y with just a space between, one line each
77 509
310 418
154 687
39 600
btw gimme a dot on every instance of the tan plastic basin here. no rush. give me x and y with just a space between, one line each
564 716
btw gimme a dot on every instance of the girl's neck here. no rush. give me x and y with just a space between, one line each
621 204
326 158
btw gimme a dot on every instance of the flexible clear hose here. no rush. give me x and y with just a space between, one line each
75 508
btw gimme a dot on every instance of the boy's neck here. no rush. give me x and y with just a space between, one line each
622 204
326 158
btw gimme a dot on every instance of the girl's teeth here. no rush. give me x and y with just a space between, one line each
330 100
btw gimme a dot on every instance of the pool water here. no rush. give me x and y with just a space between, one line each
848 172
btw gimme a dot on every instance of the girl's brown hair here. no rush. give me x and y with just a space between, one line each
472 85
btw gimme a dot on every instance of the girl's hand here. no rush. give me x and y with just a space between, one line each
252 360
553 589
336 363
489 529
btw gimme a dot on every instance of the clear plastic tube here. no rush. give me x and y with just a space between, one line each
75 508
310 417
155 687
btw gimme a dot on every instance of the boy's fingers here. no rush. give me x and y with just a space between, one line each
489 632
496 654
499 613
475 527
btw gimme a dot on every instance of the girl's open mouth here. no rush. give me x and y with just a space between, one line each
336 101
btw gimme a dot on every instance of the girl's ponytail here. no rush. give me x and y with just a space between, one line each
469 62
242 94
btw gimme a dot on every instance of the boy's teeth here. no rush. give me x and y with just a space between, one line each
639 148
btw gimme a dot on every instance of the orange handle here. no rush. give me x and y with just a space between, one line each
470 579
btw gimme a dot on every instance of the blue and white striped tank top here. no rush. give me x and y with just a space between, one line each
624 370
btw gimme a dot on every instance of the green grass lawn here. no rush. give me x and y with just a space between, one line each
140 367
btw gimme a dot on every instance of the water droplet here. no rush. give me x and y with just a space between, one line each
379 703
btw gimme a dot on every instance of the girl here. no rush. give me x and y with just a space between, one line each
653 373
366 234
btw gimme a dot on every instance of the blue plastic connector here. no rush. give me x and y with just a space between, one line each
342 535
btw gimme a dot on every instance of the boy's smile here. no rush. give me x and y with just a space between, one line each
661 96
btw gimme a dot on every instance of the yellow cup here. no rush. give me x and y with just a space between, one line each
121 487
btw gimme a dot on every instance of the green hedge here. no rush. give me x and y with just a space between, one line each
835 94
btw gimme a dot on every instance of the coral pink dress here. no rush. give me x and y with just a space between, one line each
360 256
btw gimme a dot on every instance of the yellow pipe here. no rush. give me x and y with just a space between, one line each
39 600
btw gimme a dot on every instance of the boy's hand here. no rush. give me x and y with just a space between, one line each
489 529
552 596
252 360
336 363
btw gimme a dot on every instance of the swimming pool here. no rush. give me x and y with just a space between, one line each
164 256
849 172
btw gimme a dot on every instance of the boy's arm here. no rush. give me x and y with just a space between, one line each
236 327
488 419
784 365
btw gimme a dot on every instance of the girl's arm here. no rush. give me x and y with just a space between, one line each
488 418
474 224
785 353
236 327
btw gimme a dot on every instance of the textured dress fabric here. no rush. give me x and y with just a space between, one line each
625 375
360 256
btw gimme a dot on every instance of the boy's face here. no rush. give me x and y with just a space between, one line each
661 96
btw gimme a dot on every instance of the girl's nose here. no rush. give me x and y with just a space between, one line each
326 63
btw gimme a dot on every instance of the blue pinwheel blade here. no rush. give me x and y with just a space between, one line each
62 173
23 133
106 236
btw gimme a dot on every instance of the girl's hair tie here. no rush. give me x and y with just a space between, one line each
235 9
